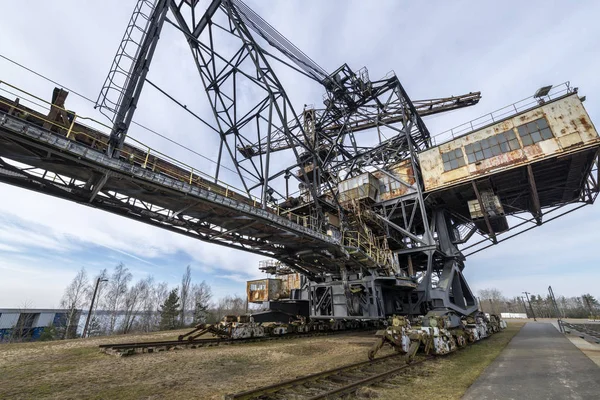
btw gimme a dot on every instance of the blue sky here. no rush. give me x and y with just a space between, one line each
506 50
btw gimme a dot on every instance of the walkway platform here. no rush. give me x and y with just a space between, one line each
538 363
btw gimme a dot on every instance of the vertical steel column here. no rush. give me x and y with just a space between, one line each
136 80
530 306
558 319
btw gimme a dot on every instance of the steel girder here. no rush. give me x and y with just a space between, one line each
38 159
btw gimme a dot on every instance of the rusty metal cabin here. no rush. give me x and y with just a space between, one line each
272 289
537 158
262 289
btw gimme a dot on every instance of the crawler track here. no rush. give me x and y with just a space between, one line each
127 349
331 383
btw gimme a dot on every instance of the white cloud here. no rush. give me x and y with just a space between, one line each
436 49
7 248
234 277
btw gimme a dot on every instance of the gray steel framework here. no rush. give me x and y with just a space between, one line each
416 268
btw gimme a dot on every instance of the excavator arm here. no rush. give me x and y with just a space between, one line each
389 116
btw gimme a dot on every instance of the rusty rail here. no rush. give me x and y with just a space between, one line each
333 382
127 349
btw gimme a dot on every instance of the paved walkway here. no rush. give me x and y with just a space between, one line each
538 363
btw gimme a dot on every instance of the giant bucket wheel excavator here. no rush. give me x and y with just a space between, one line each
372 217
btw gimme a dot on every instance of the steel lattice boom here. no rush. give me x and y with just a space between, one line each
383 214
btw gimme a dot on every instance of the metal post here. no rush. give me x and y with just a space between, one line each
558 319
530 306
524 306
87 320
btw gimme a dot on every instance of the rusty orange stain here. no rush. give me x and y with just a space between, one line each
565 117
586 125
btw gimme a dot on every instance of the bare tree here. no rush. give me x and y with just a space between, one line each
201 295
116 290
157 294
230 305
74 298
491 294
493 297
147 306
20 330
133 303
185 298
493 301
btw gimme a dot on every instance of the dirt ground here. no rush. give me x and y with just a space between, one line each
76 369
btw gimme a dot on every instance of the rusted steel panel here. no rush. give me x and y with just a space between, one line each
257 291
289 282
270 289
391 188
273 288
364 186
567 119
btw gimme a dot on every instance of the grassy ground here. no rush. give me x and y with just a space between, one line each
76 369
446 377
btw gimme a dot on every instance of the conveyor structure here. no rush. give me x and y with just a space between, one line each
385 213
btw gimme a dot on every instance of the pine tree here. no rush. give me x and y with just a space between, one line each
169 312
49 333
590 303
95 328
200 311
201 295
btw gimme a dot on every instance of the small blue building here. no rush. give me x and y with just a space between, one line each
28 324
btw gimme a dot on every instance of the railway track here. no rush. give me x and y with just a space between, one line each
128 349
591 330
331 383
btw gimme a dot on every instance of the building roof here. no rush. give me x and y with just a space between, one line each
33 310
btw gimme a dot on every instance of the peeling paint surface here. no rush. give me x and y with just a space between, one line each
566 117
403 183
269 289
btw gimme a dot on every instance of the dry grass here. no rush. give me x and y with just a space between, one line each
76 369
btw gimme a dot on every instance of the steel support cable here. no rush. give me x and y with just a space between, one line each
133 122
174 100
280 42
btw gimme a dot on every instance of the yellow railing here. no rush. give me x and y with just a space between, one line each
142 155
361 241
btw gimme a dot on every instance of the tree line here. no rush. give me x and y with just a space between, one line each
123 306
584 306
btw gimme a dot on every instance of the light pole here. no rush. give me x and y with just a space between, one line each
532 312
524 305
87 321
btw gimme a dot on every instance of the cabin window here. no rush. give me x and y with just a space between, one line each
535 131
453 159
257 286
492 146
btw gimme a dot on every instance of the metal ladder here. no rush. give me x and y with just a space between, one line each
124 64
